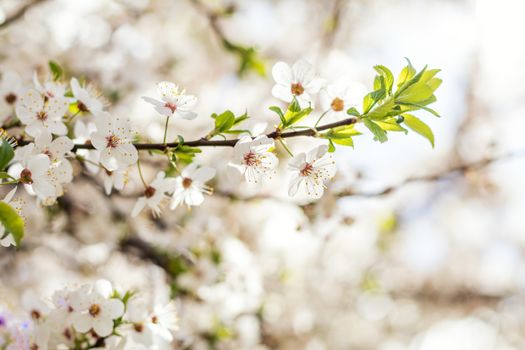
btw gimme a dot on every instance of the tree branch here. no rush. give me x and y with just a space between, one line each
19 13
222 143
458 169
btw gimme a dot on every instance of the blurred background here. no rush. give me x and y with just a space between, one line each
410 248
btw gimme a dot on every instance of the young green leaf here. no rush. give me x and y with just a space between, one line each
387 76
418 126
12 222
56 70
379 134
6 154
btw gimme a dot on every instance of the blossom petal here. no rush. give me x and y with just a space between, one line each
103 326
82 322
295 182
204 174
115 308
282 92
139 205
282 73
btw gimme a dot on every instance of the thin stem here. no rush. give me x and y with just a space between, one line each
321 117
166 129
73 116
9 182
83 159
281 141
140 174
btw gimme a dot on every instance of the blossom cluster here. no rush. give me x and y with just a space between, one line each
48 112
92 316
66 121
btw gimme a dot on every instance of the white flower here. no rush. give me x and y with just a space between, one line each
61 171
50 89
113 139
338 98
310 170
88 99
56 149
190 186
10 92
155 194
8 199
298 81
41 115
173 102
114 179
33 172
140 327
164 320
253 158
83 132
96 310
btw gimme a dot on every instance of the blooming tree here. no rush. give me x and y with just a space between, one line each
60 121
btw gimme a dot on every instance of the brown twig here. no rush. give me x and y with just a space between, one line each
458 169
19 13
222 143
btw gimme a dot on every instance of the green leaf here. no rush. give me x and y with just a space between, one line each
344 142
294 114
380 134
391 124
223 121
4 175
416 106
353 111
6 154
382 111
387 75
418 126
406 74
12 222
331 147
56 70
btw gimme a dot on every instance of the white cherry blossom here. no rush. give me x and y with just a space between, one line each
173 102
41 115
49 89
34 172
113 139
298 81
10 91
155 194
336 99
164 321
114 179
96 310
88 99
310 171
191 185
83 132
254 158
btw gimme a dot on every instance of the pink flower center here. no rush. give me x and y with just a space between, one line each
250 159
94 310
297 89
112 141
307 170
150 192
42 116
337 104
82 107
25 177
171 106
186 182
10 98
